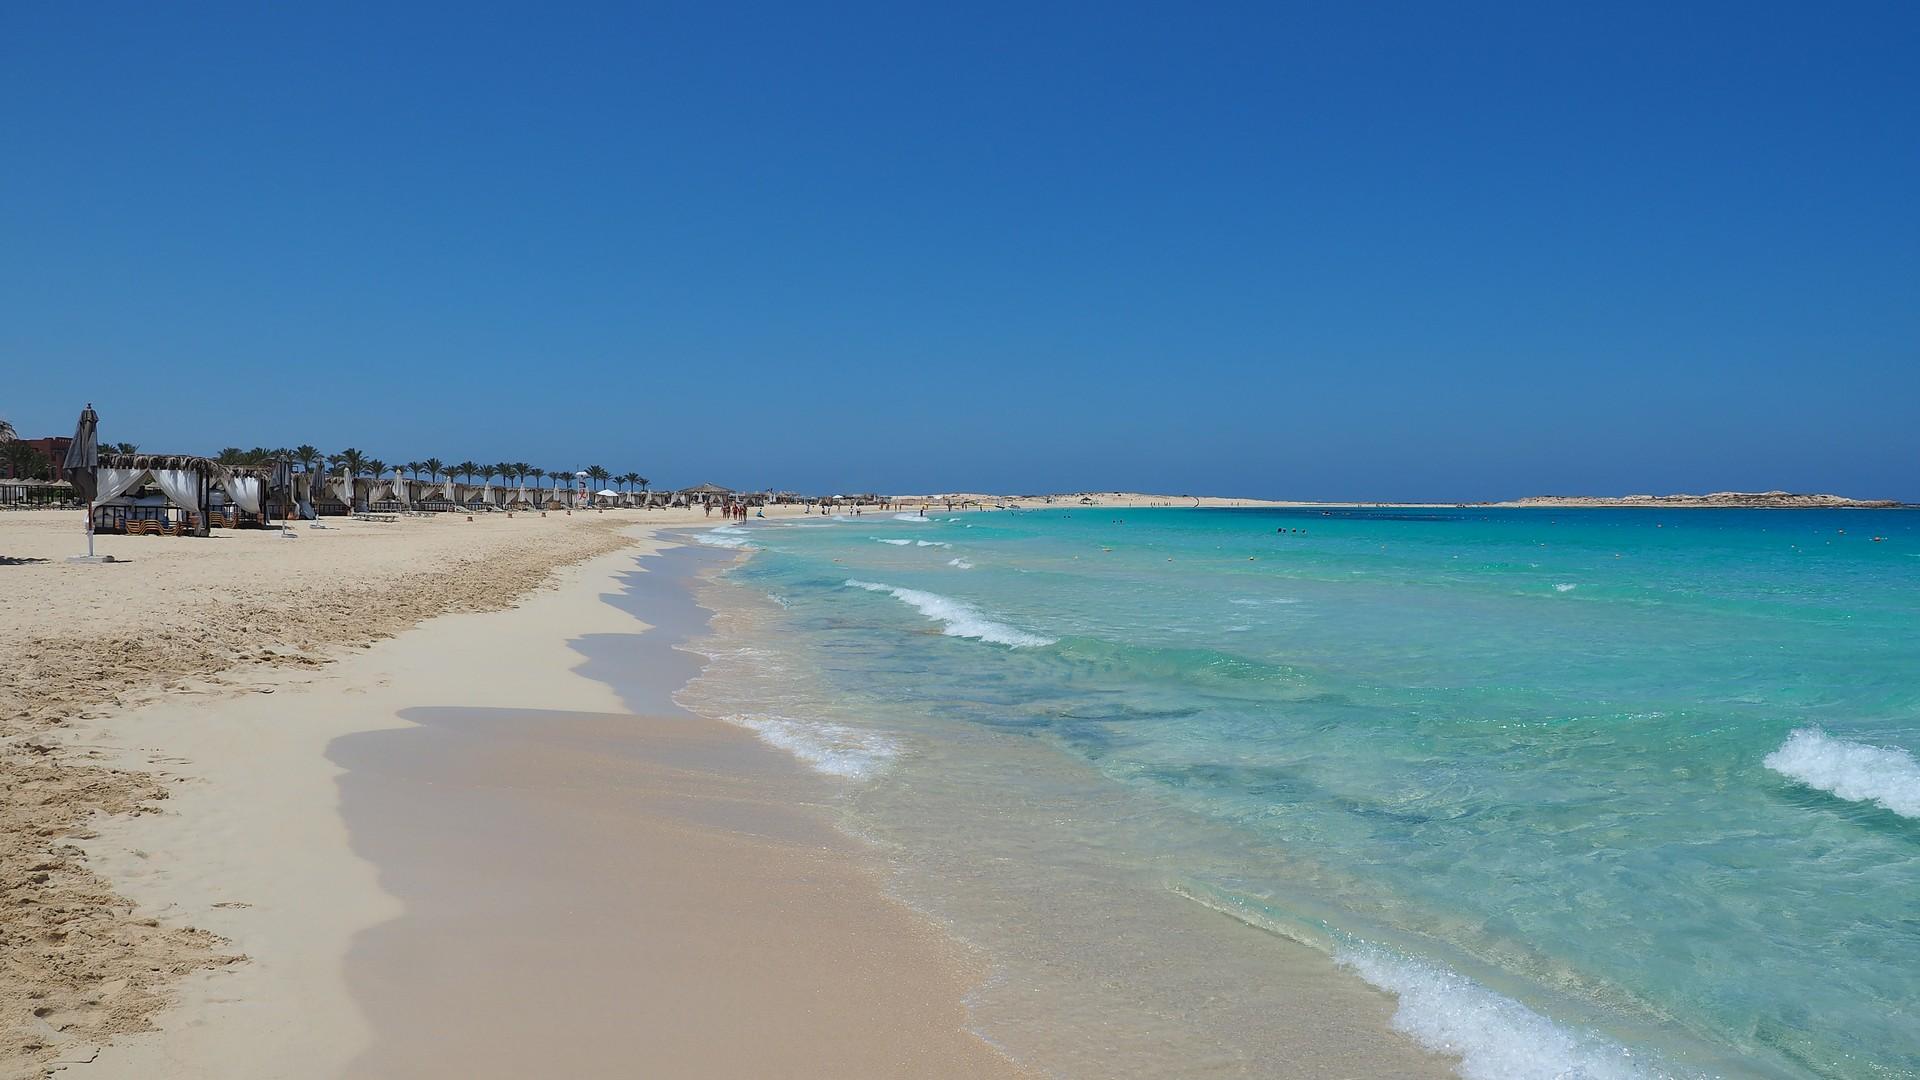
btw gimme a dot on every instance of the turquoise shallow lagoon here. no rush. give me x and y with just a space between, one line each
1591 792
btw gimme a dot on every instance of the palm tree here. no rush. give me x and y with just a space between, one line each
230 455
434 467
413 469
467 469
23 461
353 461
7 434
376 468
306 456
538 475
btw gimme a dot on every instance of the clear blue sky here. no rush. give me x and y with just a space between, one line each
1329 250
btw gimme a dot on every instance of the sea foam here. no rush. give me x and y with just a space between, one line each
957 617
834 749
726 536
1495 1037
1886 776
960 564
895 543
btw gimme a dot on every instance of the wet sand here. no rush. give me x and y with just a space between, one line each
616 894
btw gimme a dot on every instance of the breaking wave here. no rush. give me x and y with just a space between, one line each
1886 776
1565 586
960 563
957 617
834 749
895 543
1495 1037
726 536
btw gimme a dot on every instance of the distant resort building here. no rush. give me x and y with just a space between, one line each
41 459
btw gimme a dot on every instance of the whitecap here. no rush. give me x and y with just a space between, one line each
1259 601
1886 776
931 543
960 563
833 749
1495 1037
1565 586
895 543
917 519
957 617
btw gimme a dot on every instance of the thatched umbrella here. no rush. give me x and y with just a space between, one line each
82 466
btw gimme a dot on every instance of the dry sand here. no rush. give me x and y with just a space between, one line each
77 965
271 906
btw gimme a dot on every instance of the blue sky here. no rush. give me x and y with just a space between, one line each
1366 251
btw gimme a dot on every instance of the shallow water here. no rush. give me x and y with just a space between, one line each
1592 793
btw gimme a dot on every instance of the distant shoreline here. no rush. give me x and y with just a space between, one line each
1746 500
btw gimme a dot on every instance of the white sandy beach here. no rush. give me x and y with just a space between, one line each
243 898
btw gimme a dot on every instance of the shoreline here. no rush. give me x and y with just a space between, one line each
297 837
1098 955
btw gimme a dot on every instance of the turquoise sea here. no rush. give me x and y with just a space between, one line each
1591 793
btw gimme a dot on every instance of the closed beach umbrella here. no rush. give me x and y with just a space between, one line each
82 465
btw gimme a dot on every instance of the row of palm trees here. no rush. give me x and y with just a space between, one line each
353 462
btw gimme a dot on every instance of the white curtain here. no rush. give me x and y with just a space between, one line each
342 488
182 487
243 490
117 482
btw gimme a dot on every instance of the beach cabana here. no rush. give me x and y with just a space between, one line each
702 495
180 493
